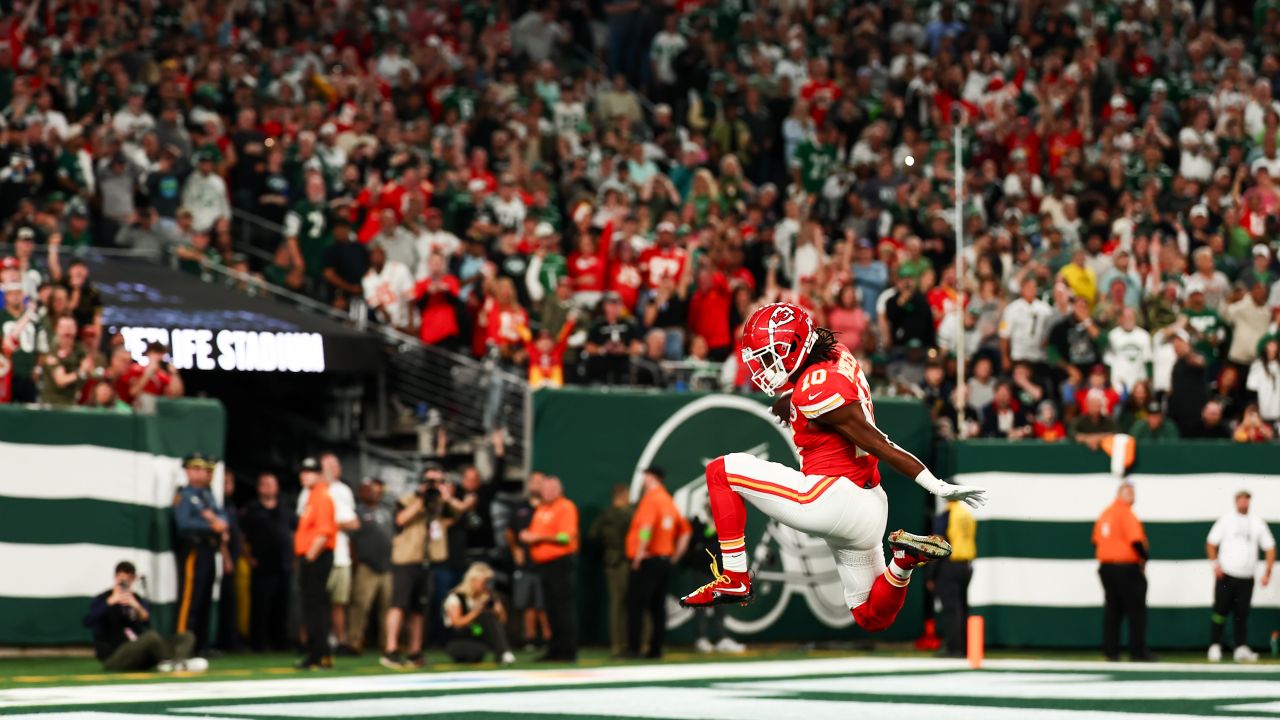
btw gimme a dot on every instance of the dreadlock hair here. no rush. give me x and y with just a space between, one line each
824 349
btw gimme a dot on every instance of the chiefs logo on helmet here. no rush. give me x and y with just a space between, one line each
775 342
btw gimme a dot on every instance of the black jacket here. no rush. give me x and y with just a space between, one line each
111 624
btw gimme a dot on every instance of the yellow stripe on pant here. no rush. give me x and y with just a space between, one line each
189 579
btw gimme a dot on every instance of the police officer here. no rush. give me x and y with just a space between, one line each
609 531
201 525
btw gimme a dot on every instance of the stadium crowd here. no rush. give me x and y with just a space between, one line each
600 193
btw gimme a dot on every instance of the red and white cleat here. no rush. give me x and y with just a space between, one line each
730 586
915 550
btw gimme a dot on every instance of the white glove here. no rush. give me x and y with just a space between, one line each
974 497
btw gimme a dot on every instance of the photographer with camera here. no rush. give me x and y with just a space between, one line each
420 538
476 619
123 640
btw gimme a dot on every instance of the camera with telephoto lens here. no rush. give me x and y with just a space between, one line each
429 485
429 489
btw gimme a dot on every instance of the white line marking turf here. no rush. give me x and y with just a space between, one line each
321 686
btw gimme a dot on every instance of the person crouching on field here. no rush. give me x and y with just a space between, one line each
476 618
123 640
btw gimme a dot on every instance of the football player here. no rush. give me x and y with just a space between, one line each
836 495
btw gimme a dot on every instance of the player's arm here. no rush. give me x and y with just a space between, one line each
782 408
849 421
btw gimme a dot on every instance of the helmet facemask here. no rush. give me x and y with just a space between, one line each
772 366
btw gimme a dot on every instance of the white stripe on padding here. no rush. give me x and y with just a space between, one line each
64 472
1121 445
1082 498
81 570
1034 582
814 409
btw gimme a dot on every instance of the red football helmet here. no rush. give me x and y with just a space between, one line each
775 341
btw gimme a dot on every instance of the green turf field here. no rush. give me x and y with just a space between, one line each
769 684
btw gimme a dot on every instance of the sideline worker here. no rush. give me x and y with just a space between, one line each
1122 550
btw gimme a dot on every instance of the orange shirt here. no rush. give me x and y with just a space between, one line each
1115 533
657 514
558 519
317 519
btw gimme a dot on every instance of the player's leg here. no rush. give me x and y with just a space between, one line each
873 594
782 493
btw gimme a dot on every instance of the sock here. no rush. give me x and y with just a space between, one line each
882 605
901 566
730 515
734 554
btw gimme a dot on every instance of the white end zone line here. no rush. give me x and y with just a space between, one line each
319 685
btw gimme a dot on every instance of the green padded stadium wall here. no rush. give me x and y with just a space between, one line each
595 439
82 490
1035 580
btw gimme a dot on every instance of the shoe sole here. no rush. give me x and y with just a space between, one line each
722 600
932 547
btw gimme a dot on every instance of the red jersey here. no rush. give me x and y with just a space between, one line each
625 280
590 272
822 96
438 319
503 324
155 386
820 389
546 369
587 271
658 263
709 312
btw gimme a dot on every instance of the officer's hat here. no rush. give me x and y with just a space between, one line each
198 460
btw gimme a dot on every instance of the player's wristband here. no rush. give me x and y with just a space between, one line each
930 482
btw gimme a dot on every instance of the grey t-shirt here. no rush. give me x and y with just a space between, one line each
371 544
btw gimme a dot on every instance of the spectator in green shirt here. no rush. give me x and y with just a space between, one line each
65 367
1095 425
1154 426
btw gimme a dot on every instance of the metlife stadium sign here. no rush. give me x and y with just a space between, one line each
231 349
209 327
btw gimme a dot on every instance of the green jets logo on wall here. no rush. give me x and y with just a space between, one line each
788 566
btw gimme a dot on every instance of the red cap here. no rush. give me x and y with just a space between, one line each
9 263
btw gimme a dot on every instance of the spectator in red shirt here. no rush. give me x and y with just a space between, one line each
589 266
436 295
1047 426
709 313
624 274
501 319
1024 137
157 377
1098 383
820 92
1064 142
942 297
546 354
664 260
